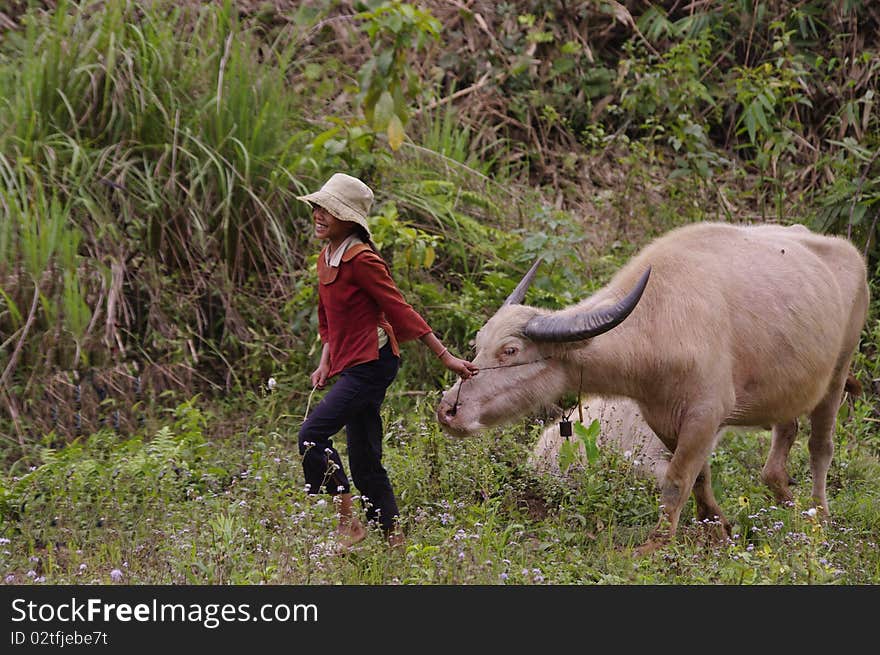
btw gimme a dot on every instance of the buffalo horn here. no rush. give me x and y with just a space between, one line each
517 295
566 327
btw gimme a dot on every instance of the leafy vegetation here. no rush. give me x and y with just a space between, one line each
156 269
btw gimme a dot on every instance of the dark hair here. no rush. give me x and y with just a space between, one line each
365 236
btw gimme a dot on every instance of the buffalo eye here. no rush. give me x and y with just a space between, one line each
510 351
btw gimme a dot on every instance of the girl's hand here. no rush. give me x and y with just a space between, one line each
463 367
319 376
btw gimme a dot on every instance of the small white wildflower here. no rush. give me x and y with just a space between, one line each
321 502
811 512
42 578
116 575
9 579
627 454
270 383
32 574
82 567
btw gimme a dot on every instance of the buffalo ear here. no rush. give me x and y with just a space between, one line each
517 295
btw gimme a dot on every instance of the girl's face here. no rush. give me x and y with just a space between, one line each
327 226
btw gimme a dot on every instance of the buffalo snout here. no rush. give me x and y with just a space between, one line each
445 412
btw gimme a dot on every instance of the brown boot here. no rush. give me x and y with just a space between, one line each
397 539
350 530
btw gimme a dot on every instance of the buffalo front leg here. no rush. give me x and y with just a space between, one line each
696 439
774 473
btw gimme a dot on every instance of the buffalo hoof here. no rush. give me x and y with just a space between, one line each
651 545
718 528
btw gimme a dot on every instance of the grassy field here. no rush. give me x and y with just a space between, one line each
186 507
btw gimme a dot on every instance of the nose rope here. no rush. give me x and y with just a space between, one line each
454 409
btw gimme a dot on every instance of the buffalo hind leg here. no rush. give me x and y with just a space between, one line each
821 444
708 509
774 473
691 451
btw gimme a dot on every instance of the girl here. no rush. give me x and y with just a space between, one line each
362 319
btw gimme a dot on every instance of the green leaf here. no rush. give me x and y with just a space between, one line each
567 454
325 136
384 61
395 132
562 65
313 71
587 436
13 309
758 111
750 124
76 313
858 214
383 111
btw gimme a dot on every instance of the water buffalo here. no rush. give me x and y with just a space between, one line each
710 325
621 427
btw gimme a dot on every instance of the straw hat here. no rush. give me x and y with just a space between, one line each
344 196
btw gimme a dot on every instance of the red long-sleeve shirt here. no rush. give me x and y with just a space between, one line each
353 301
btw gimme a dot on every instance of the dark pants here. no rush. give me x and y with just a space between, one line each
353 402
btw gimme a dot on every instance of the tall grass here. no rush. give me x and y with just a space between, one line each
177 108
166 141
